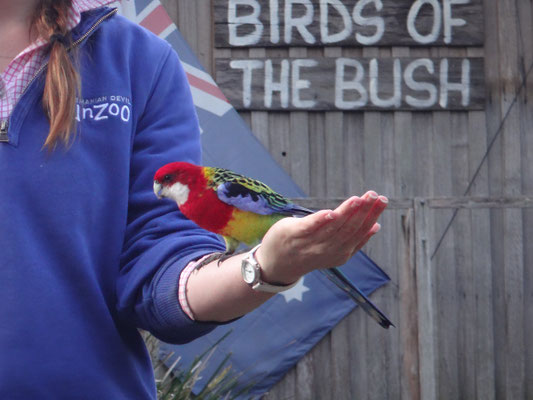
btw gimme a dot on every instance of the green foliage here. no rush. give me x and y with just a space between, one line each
176 382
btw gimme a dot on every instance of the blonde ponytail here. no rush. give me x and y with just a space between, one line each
62 79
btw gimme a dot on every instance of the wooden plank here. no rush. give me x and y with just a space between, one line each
481 202
335 173
305 377
469 202
405 159
299 139
482 264
352 84
408 318
340 340
401 140
187 22
279 126
259 119
525 35
447 321
513 274
358 350
322 369
332 202
493 119
264 23
259 126
462 231
205 34
340 337
422 149
354 153
427 346
353 150
464 336
388 238
376 361
299 149
317 156
284 389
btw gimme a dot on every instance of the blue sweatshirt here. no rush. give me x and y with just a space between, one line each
88 253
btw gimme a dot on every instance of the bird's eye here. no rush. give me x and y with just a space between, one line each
167 178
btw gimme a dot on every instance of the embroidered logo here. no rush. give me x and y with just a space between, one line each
103 108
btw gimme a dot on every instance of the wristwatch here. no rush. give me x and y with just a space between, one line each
251 273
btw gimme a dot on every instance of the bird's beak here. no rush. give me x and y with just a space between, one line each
157 189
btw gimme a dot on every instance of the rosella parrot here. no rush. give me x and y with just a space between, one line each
241 210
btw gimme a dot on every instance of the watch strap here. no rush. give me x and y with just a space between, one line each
260 285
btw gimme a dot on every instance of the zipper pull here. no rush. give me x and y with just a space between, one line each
3 131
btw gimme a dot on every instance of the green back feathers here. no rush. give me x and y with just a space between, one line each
274 199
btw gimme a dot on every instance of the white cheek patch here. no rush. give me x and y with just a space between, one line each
178 192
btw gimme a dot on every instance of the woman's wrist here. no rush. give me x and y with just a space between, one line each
273 271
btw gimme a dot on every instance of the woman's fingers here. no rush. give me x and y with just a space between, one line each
324 223
375 229
349 226
324 239
360 218
377 208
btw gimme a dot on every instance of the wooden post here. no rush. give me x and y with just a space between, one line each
426 309
408 321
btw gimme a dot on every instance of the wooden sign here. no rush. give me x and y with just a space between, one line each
267 23
353 83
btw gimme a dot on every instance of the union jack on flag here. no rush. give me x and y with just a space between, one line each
153 16
269 341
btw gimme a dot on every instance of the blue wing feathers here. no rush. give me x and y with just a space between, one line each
266 203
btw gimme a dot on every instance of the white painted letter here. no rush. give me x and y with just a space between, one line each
274 21
463 87
252 19
437 21
420 86
299 84
282 86
355 84
378 22
299 23
346 20
396 99
449 21
247 67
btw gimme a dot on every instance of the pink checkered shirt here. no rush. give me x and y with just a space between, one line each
24 66
22 69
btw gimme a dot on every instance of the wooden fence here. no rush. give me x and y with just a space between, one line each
453 312
464 313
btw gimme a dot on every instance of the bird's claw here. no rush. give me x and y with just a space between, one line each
208 259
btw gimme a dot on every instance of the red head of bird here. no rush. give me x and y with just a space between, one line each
176 181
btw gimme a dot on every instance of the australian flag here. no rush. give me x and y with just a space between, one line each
266 343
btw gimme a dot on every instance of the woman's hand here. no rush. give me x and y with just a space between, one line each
291 248
295 246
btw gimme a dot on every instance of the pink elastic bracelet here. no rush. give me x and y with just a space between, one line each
182 286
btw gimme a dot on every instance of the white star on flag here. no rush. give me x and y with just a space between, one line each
296 292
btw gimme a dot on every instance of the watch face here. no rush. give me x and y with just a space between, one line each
248 273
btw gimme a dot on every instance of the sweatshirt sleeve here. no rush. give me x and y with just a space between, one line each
159 241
